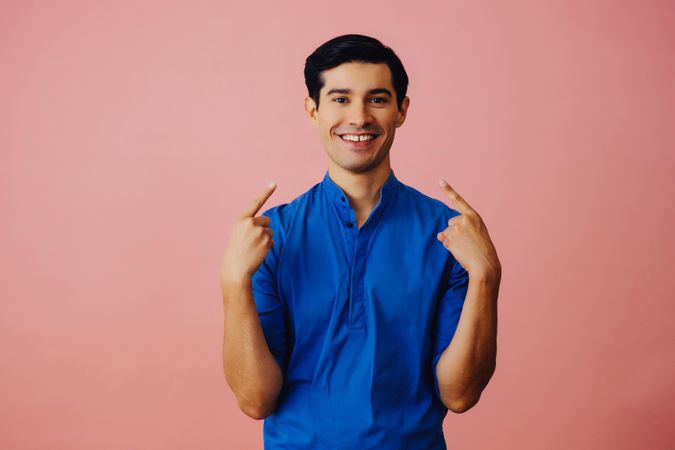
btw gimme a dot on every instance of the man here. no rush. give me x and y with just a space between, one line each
360 312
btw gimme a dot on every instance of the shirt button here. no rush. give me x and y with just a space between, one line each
349 224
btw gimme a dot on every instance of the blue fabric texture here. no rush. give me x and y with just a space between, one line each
357 319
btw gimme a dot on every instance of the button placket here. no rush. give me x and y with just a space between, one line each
348 218
357 242
357 316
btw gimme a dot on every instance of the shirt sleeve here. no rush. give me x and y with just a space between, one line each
449 310
271 310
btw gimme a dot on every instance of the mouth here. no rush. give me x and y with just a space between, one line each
358 142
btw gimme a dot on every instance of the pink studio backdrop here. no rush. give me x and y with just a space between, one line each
133 133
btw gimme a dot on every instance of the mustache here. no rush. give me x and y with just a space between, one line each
366 130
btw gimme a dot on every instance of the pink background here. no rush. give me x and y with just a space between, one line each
133 133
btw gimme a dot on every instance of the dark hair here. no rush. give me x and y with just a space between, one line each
353 48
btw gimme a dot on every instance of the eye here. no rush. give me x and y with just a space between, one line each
382 99
338 98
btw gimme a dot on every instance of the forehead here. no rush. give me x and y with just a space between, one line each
358 76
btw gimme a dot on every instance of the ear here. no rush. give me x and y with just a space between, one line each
403 111
310 108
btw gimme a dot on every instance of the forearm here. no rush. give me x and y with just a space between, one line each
467 364
250 369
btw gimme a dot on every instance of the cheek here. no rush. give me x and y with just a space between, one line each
327 129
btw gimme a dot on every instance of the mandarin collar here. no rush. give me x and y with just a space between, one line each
338 196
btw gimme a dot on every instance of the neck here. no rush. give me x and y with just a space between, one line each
363 189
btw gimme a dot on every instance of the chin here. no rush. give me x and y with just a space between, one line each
358 166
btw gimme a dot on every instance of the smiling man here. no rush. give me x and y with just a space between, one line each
360 312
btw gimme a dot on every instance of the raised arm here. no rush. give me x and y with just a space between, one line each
251 370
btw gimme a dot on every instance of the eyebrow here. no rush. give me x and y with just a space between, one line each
370 92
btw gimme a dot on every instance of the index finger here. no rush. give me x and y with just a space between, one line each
459 201
259 201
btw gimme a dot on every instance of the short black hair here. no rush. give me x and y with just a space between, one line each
353 48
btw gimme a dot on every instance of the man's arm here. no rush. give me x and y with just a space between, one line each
467 364
251 371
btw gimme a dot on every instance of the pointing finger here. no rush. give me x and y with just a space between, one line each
253 209
462 205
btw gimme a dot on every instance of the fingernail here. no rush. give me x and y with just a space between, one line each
272 184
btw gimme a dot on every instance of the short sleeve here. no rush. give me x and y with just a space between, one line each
448 312
271 310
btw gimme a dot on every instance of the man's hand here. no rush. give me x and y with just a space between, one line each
250 241
467 238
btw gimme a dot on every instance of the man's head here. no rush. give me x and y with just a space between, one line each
356 85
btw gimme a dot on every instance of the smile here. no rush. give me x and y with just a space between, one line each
358 142
356 137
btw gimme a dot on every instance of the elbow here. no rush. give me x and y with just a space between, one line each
459 406
464 403
257 412
259 407
259 402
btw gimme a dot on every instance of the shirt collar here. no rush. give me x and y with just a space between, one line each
335 193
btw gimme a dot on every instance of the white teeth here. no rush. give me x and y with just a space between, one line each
353 137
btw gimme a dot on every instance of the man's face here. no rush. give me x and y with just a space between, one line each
357 98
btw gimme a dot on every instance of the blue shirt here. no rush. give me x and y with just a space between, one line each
357 319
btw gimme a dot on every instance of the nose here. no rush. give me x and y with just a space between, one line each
359 114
